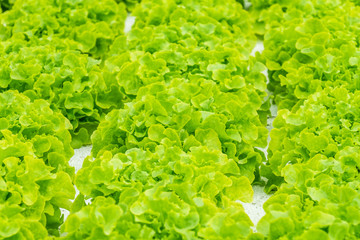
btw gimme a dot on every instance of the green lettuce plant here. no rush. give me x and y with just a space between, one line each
326 123
35 178
313 160
53 51
310 45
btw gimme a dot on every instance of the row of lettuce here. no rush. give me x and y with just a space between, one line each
181 106
172 163
312 53
53 92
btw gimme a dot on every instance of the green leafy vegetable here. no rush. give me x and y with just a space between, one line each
176 110
53 51
310 45
181 152
35 178
311 51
